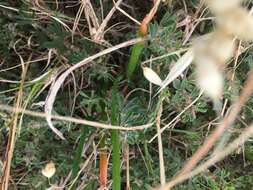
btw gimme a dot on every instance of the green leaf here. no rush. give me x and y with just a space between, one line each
78 153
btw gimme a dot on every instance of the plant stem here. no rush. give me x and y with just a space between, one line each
115 140
134 58
103 164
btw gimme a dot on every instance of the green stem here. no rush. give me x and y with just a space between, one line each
115 140
134 58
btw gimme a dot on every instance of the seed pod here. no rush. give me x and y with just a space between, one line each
219 6
209 78
238 22
218 46
209 56
49 170
151 76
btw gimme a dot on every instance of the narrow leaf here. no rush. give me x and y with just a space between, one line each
78 153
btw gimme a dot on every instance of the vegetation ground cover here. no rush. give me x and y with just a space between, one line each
41 39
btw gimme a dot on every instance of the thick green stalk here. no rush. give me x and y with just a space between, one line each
134 58
115 140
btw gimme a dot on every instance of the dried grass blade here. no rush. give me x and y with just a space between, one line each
56 86
178 68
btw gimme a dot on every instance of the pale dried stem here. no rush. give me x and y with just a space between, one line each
72 119
76 21
85 164
57 84
127 15
100 31
216 158
127 166
237 54
160 145
91 17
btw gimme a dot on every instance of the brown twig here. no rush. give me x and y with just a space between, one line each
149 17
103 167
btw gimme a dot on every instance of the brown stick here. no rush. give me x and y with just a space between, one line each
103 166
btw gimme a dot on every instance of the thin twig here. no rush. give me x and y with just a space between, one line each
126 14
100 32
73 120
177 117
127 166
